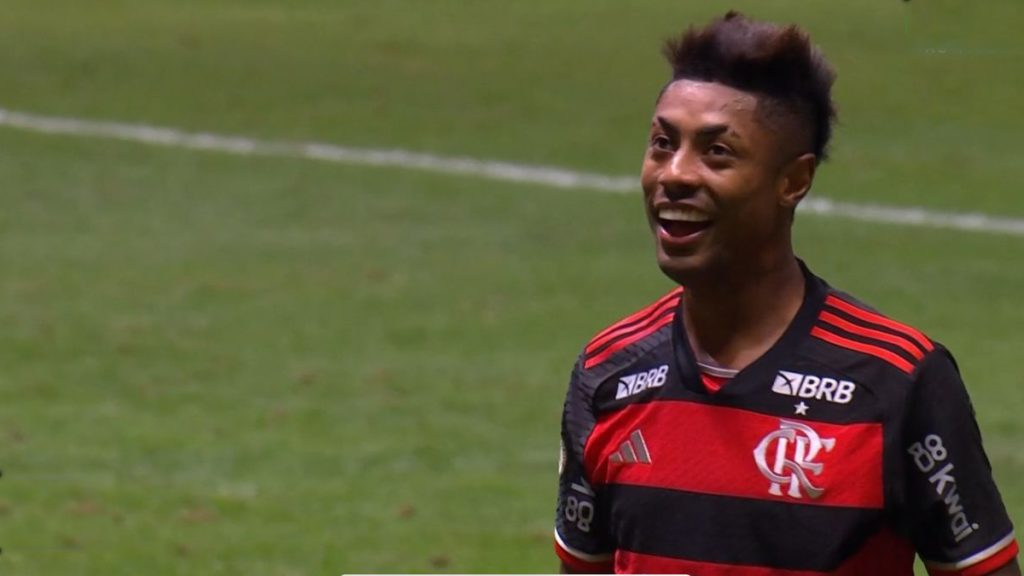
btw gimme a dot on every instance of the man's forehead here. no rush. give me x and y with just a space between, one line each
705 99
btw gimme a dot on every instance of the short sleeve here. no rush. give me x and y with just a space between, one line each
956 517
581 535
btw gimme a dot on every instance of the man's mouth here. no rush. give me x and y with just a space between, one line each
682 221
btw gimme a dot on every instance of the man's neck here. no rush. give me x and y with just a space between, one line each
735 319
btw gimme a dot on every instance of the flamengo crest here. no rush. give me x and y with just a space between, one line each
793 446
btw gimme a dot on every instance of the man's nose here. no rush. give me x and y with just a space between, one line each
682 173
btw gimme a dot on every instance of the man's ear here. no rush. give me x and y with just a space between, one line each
795 180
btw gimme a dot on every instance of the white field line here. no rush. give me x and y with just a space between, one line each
491 169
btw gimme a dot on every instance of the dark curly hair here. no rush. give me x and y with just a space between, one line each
768 60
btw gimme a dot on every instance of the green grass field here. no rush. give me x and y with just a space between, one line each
214 364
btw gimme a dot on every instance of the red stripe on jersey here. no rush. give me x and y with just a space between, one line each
634 318
631 323
627 562
884 554
986 566
852 328
869 316
881 353
626 341
579 566
718 450
713 383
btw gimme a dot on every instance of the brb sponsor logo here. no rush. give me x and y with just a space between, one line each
793 447
811 386
637 383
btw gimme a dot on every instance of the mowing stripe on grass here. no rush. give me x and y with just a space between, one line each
491 169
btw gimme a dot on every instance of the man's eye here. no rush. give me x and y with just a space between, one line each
661 142
719 150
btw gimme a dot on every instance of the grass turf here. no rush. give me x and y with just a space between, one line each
216 365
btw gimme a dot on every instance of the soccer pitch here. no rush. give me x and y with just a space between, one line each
227 364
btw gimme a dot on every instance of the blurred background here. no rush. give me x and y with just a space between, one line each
214 362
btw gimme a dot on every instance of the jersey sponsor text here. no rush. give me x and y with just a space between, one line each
928 454
811 386
637 383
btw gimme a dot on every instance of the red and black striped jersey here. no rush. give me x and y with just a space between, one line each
846 448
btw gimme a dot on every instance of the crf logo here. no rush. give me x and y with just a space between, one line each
794 446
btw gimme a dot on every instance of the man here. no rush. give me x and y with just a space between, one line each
756 421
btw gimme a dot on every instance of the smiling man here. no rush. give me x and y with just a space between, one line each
755 420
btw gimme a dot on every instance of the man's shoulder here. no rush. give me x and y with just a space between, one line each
631 331
848 324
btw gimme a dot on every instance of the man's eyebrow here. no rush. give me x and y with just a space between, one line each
709 131
666 126
712 130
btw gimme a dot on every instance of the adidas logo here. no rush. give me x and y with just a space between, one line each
810 386
632 451
637 383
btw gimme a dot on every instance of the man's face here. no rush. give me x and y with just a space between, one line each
711 179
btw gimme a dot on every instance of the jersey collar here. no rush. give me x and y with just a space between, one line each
764 368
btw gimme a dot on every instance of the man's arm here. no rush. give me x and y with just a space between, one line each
581 537
956 515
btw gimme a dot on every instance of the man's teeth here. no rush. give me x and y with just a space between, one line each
682 215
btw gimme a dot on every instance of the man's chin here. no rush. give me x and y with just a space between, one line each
682 269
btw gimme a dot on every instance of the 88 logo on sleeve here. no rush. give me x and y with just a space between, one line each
928 454
579 512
